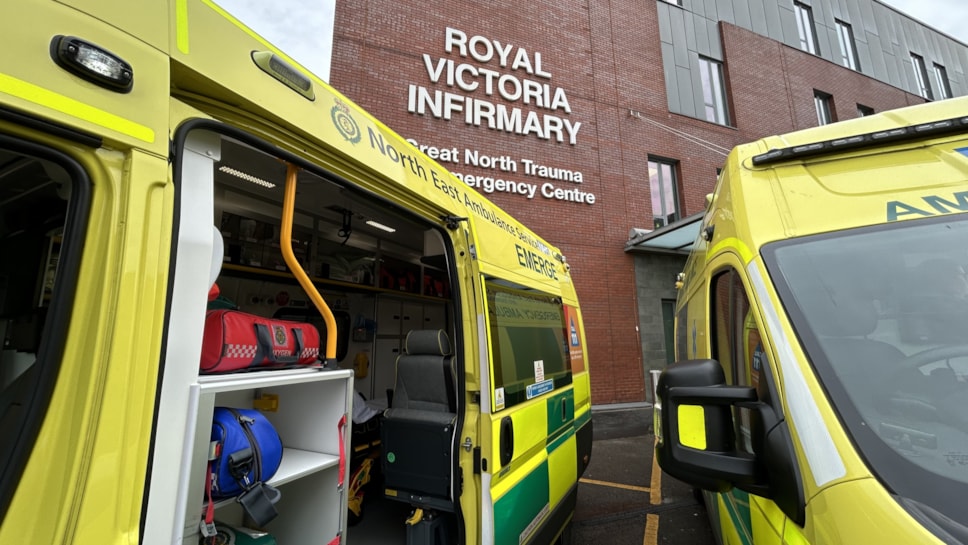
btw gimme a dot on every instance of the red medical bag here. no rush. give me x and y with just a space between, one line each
235 340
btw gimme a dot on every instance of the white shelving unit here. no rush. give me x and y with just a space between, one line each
311 403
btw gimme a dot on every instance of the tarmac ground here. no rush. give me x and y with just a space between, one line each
624 498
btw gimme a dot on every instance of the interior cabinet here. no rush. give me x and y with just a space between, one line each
310 406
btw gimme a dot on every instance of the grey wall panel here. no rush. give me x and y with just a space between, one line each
715 40
876 68
665 23
758 17
864 58
741 10
702 36
711 11
678 27
724 10
687 101
689 27
854 14
669 72
789 21
771 10
867 18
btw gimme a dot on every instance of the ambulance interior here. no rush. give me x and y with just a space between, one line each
882 314
384 273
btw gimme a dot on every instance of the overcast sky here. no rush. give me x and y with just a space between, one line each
948 16
303 29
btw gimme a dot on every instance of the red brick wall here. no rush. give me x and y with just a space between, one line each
607 57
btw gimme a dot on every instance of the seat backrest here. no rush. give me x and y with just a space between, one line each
424 379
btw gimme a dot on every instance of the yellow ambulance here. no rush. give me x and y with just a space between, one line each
157 154
821 383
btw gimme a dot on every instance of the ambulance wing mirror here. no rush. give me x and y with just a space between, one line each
693 420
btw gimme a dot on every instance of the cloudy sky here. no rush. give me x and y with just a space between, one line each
948 16
304 28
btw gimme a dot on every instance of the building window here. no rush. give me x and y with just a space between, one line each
921 77
941 78
824 105
848 51
713 90
664 187
805 27
864 111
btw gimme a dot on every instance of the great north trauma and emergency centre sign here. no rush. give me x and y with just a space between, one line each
519 78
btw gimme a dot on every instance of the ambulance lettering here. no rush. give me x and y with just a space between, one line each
897 210
535 262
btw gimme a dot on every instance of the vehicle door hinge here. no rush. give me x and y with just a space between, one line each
467 444
452 222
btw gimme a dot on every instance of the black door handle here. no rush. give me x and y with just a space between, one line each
507 440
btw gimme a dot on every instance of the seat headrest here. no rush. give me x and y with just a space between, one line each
432 342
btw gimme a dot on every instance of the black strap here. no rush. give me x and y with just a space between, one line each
264 341
449 384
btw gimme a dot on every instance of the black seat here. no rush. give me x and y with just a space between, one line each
418 428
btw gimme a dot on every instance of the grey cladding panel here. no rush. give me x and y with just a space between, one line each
741 10
687 103
867 17
711 11
689 26
875 60
758 17
669 71
715 41
773 24
665 22
679 38
701 33
788 19
724 9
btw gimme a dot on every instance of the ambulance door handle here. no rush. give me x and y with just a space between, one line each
507 440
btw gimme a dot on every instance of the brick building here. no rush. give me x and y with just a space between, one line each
601 125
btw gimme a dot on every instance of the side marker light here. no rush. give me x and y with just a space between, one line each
92 63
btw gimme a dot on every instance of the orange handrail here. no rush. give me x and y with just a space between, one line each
285 240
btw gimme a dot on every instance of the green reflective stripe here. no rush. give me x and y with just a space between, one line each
524 504
558 418
738 506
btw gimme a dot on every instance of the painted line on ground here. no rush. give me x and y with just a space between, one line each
617 485
651 534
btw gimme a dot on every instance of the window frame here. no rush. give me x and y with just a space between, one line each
806 28
944 84
864 111
921 81
669 167
53 335
848 47
713 80
823 104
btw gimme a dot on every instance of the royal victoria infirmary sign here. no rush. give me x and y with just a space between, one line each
532 106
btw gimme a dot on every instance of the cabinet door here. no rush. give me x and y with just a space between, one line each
411 317
434 316
383 367
389 316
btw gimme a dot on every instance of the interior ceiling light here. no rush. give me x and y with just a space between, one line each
379 225
246 177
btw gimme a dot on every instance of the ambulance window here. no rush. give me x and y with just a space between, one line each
40 197
736 342
528 344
